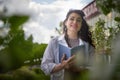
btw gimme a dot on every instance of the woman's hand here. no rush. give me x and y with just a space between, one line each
71 64
66 63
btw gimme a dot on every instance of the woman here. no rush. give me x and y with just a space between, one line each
76 33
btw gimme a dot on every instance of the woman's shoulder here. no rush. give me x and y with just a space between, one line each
53 40
58 38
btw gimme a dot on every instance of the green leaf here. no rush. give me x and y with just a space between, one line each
117 19
16 21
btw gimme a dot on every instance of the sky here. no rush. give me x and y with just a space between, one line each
45 15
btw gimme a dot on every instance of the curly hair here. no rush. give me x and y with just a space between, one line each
84 32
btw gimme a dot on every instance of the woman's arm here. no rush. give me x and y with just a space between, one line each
47 63
63 65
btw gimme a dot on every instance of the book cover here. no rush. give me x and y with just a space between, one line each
81 58
79 51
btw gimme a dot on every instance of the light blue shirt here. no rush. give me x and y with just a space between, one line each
51 56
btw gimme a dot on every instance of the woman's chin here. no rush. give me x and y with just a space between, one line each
74 30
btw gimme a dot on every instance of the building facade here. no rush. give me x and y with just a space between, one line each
92 15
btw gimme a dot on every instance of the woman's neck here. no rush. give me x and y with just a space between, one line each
72 35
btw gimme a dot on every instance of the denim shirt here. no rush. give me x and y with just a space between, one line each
51 56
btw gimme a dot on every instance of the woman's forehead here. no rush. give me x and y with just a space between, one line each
75 15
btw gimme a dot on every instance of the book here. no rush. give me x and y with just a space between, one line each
78 51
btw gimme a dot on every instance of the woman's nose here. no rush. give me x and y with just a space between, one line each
75 21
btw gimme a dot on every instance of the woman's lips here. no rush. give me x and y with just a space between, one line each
74 26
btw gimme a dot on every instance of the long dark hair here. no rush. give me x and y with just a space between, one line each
84 32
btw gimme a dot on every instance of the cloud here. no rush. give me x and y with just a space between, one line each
17 6
44 17
40 33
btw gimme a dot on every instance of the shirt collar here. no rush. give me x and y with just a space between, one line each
61 40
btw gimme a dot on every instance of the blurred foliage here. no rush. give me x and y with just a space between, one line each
16 51
106 41
15 47
107 6
25 73
98 35
59 30
37 50
103 36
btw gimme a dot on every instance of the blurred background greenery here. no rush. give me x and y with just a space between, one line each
20 58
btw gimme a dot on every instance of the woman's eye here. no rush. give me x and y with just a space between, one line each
71 19
78 20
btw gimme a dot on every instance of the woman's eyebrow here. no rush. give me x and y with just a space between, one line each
75 17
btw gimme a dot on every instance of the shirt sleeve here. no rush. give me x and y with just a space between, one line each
48 61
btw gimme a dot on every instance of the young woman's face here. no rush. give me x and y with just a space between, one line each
74 22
